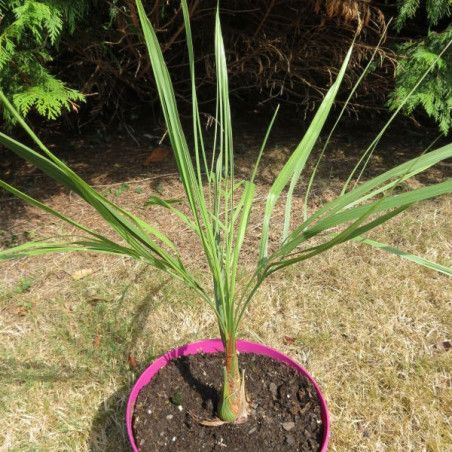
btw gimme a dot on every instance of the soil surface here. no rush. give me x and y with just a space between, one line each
284 408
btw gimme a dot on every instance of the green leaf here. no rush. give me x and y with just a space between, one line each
411 257
294 166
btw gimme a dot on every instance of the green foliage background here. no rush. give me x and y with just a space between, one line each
29 31
103 56
417 54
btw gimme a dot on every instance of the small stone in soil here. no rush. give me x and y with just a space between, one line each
273 389
288 426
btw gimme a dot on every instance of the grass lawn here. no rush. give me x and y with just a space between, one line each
76 330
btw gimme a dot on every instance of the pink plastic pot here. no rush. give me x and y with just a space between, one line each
216 346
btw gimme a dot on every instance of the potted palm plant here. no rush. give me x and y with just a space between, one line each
220 207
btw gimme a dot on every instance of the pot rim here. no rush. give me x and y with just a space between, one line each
216 346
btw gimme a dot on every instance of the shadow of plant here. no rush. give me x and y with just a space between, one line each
108 430
210 396
13 370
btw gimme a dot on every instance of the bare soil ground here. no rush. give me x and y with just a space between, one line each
77 329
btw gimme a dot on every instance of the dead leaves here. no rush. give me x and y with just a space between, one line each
97 340
213 423
359 12
158 154
443 346
83 273
131 361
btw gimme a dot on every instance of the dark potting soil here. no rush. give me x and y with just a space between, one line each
284 408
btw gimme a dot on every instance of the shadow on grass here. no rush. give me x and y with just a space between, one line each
15 371
108 429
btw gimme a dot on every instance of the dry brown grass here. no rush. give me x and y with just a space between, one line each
368 327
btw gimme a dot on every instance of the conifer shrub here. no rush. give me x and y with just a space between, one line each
420 51
30 32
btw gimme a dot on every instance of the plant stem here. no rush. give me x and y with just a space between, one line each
230 405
